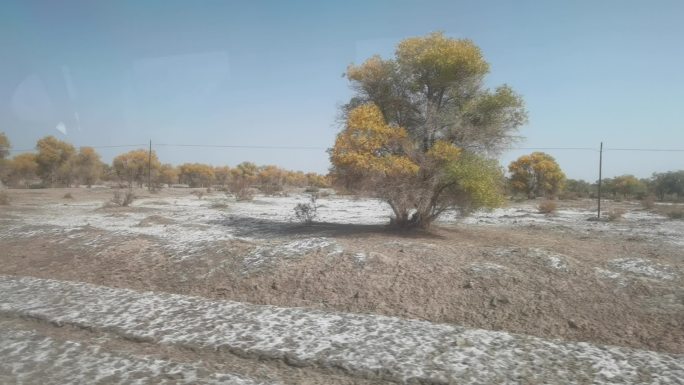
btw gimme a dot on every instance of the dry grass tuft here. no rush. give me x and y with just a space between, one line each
615 215
547 207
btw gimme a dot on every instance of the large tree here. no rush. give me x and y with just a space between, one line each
88 166
133 166
536 174
20 170
55 161
625 185
168 175
422 125
669 183
196 174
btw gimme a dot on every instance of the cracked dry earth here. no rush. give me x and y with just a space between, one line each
510 296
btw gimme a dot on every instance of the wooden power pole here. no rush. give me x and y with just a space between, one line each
149 168
599 181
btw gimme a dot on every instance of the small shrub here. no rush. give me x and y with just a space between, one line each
244 194
117 199
68 196
547 207
306 212
615 215
648 203
128 198
123 200
4 198
199 194
311 189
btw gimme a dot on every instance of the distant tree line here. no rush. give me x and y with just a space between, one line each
59 164
662 186
538 175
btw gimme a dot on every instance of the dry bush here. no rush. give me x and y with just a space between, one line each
128 198
4 198
244 194
615 215
307 212
122 200
648 203
68 196
199 194
547 207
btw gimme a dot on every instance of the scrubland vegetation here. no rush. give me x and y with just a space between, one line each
418 146
57 163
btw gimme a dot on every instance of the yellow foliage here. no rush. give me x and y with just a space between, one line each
196 174
443 151
369 145
536 174
133 166
440 60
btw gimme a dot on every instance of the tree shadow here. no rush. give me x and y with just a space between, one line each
268 228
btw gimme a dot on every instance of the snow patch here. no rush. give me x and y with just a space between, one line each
393 349
486 268
30 358
643 267
269 253
550 259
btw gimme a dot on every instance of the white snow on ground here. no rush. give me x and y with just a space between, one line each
30 358
362 345
191 223
268 253
188 224
643 267
637 224
550 259
486 268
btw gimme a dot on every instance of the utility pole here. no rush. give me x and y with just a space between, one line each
599 181
149 169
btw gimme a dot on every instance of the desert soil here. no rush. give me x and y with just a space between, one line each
511 270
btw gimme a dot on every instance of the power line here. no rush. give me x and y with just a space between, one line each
243 146
104 146
647 149
554 148
265 147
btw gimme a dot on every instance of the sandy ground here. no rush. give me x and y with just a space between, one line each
362 347
560 276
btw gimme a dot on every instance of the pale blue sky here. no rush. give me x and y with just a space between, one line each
269 73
